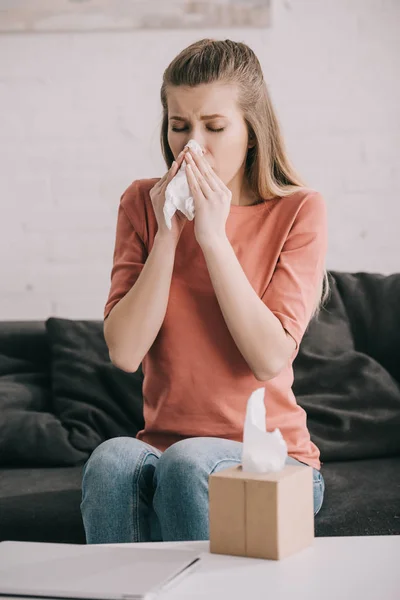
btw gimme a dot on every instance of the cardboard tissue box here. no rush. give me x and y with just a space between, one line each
263 508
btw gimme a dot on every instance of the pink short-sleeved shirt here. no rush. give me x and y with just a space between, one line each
196 381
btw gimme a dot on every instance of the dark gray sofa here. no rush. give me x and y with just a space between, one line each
60 397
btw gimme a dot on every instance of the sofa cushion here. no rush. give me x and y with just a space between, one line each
41 504
25 339
29 433
93 399
362 497
372 304
345 374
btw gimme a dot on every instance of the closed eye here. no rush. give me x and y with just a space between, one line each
209 128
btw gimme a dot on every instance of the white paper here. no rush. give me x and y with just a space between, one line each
177 193
263 451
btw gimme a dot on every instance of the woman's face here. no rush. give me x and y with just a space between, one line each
224 138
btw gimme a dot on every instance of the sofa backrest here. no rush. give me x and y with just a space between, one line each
25 339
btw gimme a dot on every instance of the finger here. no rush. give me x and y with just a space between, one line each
161 181
203 184
213 180
193 183
169 175
176 165
181 157
205 169
172 172
166 178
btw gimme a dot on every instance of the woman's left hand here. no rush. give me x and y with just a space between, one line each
211 197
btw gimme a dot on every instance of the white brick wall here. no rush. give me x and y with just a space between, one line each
79 120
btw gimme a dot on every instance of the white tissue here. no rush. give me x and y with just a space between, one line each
177 193
263 451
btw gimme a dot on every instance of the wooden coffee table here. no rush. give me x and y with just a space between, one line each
334 568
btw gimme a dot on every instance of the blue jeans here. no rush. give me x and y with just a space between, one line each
132 492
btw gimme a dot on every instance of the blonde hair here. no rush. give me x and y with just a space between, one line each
268 170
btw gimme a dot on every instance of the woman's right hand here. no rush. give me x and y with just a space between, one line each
157 195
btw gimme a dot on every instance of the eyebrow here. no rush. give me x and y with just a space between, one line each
202 118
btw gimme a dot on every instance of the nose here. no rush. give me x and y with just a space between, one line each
203 148
197 135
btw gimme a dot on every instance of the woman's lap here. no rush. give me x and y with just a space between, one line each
139 492
209 453
214 454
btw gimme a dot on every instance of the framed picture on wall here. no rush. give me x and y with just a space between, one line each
119 15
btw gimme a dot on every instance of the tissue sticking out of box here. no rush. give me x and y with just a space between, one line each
177 192
263 451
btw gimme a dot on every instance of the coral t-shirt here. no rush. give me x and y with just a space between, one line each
196 381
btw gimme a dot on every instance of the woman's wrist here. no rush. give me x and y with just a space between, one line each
166 240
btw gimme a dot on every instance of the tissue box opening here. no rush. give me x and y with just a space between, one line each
261 515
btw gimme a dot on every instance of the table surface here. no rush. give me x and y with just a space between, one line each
333 568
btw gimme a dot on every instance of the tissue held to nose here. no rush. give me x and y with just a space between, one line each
263 451
177 193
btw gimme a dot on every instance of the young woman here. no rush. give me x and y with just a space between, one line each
212 307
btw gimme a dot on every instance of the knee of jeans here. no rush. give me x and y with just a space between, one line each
181 459
110 457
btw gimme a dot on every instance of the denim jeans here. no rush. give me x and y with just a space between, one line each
132 492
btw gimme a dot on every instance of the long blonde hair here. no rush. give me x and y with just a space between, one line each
268 169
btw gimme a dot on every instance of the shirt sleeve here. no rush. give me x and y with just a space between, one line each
130 254
292 293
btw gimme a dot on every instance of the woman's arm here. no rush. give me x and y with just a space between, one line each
133 324
268 330
257 332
